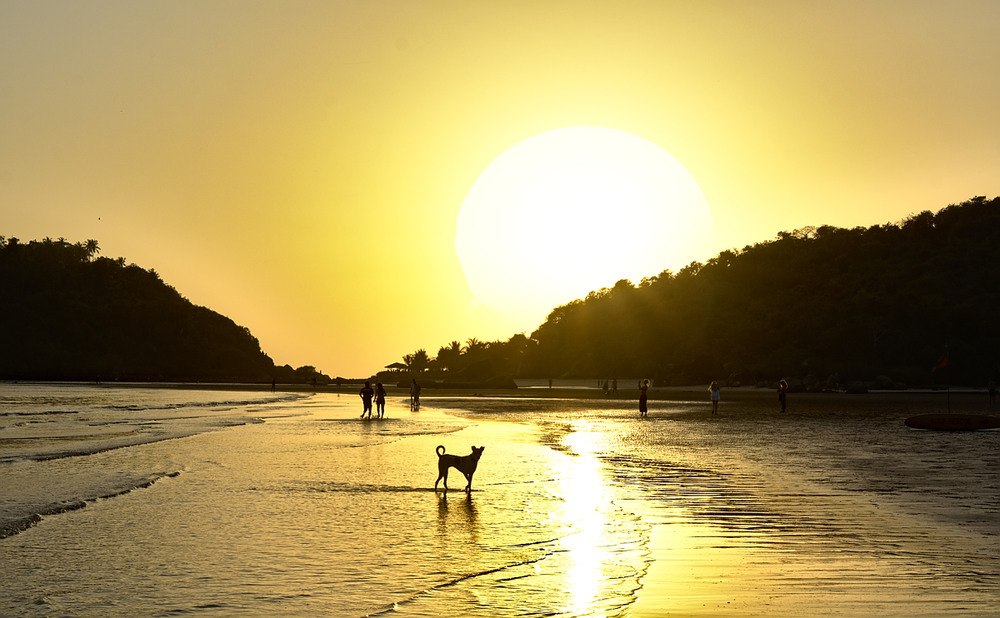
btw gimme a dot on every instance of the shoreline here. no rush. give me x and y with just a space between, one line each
556 391
970 400
824 509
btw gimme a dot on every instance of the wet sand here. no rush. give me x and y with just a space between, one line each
579 508
834 507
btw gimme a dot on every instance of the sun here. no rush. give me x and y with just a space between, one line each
573 210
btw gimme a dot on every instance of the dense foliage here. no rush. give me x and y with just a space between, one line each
826 303
70 315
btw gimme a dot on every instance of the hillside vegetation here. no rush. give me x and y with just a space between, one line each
918 301
70 315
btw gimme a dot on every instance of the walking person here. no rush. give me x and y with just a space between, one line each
716 396
366 398
414 395
643 388
379 400
782 392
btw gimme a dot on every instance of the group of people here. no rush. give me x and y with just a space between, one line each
715 393
377 394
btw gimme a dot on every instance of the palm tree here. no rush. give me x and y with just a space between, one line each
449 356
91 248
421 360
473 345
418 361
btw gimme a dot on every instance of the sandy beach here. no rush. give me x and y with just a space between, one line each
578 508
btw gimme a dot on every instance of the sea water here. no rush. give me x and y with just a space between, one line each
141 501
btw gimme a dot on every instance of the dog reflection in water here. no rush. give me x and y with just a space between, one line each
466 465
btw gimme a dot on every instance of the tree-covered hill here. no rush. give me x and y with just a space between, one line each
67 314
847 304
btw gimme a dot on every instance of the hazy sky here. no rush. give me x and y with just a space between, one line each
299 166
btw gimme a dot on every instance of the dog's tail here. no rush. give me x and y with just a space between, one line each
440 450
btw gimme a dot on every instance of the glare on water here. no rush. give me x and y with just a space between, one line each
578 508
584 513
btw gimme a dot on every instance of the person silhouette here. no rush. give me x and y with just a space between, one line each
782 391
414 395
716 396
643 388
379 400
366 398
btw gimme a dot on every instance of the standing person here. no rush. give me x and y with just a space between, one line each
414 395
366 398
716 396
379 400
782 391
643 388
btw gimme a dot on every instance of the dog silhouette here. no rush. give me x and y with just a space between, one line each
466 465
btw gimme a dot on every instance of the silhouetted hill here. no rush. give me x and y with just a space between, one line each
69 315
823 304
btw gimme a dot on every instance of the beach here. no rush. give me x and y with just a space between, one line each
132 501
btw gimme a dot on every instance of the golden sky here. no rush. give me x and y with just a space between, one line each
299 166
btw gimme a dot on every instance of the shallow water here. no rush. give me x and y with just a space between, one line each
258 503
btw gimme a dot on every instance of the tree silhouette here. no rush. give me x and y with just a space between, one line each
449 357
821 303
71 315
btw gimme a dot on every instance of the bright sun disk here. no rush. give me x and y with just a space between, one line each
573 210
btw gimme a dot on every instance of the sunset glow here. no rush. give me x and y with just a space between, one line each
301 169
574 210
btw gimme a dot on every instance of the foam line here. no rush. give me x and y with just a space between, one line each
457 580
20 524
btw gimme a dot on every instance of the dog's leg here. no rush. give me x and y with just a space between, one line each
442 474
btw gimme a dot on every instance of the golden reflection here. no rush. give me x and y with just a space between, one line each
585 498
458 515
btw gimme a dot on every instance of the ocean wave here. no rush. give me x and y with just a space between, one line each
395 606
48 448
227 404
37 413
11 524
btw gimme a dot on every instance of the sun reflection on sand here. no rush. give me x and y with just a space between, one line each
585 495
